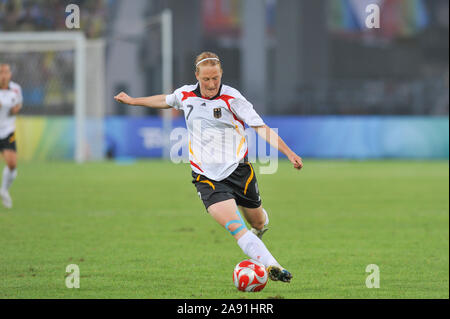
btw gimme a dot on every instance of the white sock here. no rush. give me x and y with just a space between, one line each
8 177
267 217
255 249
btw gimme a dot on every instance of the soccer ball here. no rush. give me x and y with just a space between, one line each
250 275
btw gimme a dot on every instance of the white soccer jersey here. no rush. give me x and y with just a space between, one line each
9 98
216 128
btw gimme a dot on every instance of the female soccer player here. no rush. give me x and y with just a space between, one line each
215 114
10 105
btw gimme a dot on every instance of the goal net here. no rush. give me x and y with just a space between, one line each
62 80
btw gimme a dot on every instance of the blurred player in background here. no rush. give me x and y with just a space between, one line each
224 184
10 105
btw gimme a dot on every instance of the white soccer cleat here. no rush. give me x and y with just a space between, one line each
6 198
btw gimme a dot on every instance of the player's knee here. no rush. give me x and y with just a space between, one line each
258 224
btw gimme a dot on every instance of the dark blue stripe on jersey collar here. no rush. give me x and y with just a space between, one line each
197 92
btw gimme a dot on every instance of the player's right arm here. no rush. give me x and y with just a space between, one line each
154 101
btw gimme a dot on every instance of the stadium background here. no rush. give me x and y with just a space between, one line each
381 93
366 109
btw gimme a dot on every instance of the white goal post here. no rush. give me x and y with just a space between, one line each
164 20
167 56
20 42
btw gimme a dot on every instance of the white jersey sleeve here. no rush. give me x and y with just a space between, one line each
244 110
174 100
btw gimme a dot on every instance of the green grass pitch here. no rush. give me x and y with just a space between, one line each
140 231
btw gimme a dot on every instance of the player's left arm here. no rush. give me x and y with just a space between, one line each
245 111
277 142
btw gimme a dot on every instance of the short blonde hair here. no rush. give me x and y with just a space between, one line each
213 59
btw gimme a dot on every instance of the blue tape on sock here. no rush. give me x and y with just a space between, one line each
234 221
